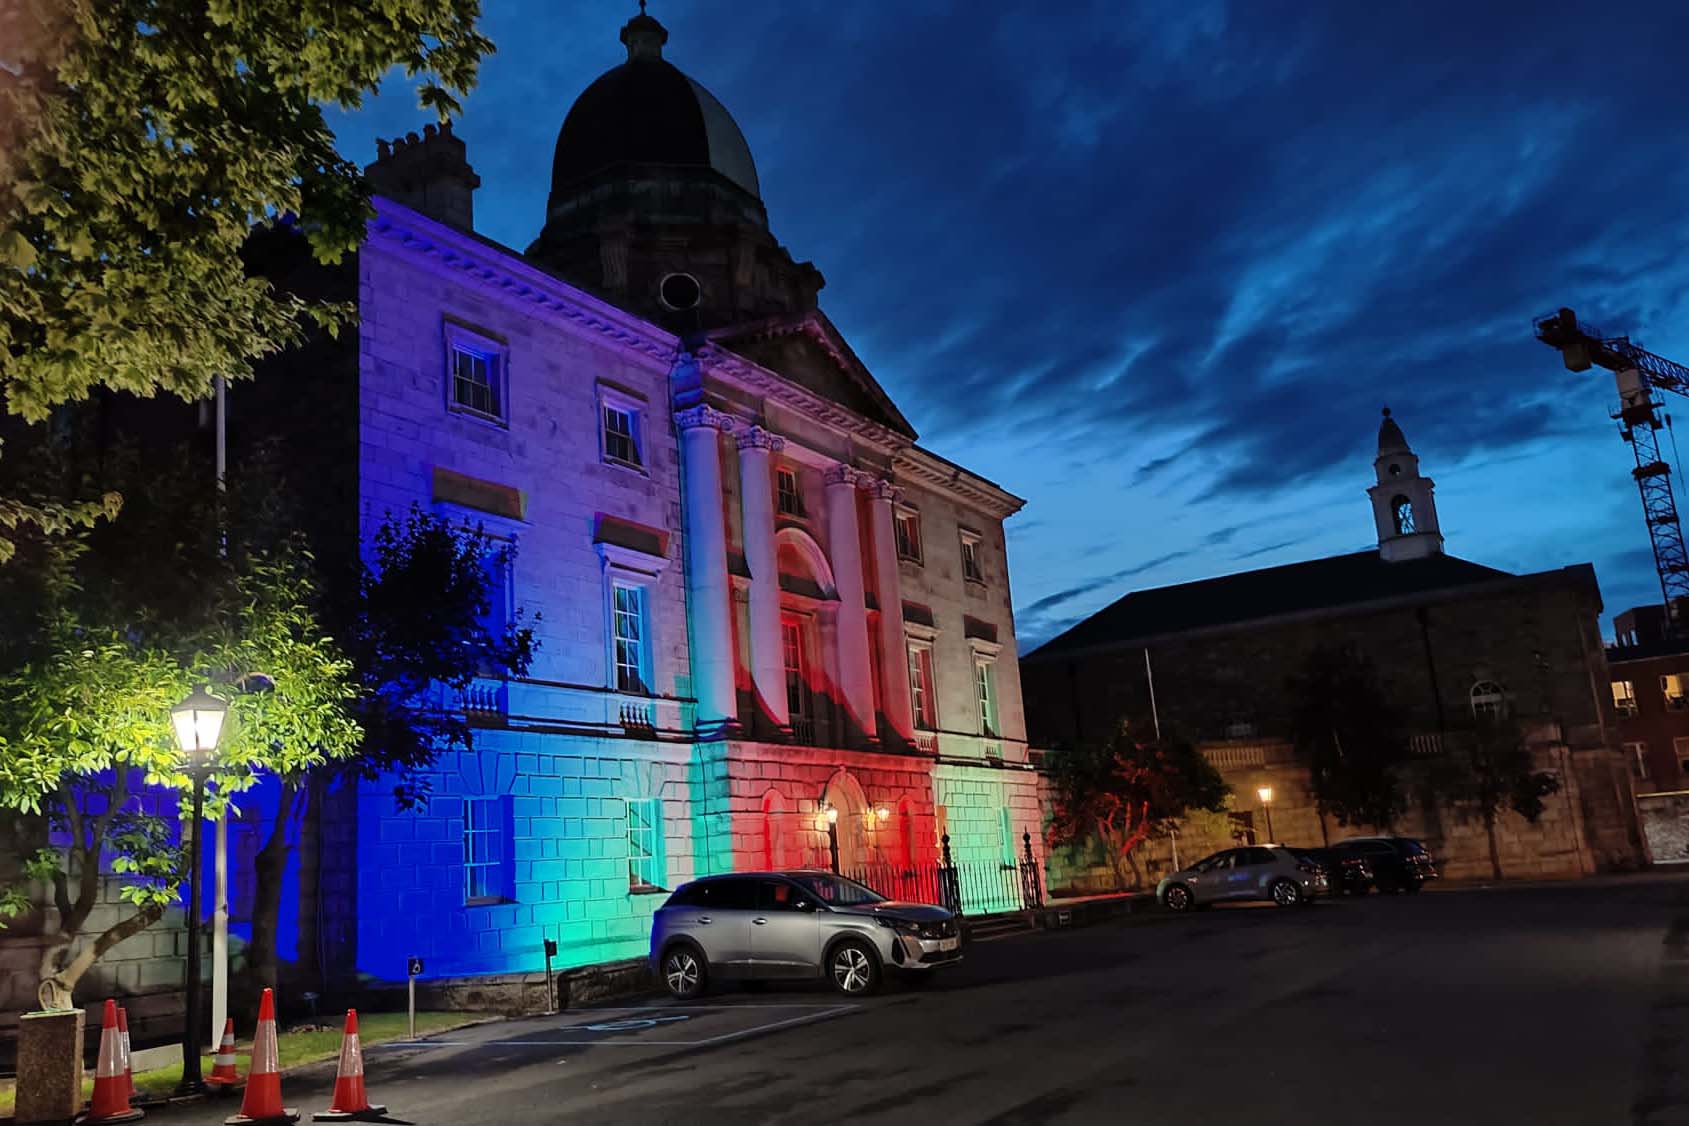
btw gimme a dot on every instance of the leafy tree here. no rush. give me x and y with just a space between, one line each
1494 772
1112 794
140 141
422 631
1350 736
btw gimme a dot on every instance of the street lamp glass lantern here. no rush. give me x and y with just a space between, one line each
199 723
1266 794
832 815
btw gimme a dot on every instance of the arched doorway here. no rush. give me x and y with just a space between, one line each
844 793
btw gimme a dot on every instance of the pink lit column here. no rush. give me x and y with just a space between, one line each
708 605
756 495
894 651
844 543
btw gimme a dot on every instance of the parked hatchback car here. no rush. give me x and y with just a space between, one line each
1346 873
798 925
1271 872
1398 863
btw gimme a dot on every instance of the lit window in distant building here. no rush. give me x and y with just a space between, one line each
1672 686
1401 511
645 844
1488 700
1624 697
1680 748
920 687
1637 753
971 569
486 850
907 524
788 501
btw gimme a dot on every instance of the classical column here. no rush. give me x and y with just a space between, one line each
844 545
756 498
708 603
894 650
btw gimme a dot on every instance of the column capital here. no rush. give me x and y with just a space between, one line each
881 488
845 475
705 415
757 438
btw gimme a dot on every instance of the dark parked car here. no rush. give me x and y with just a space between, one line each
1347 873
1398 863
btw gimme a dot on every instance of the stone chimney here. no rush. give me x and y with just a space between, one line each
429 173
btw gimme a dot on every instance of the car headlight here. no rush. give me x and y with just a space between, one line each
899 926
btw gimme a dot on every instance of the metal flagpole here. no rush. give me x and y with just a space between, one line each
220 882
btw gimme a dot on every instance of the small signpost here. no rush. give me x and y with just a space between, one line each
413 967
550 993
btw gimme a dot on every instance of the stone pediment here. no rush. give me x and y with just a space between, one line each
808 350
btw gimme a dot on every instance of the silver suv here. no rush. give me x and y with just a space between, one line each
799 925
1270 872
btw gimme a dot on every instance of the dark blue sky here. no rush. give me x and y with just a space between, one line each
1155 267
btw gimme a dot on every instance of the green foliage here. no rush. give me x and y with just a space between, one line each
1350 737
141 140
1112 794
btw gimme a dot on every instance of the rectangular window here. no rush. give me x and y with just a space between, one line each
1637 753
787 499
1672 687
621 436
797 688
629 615
907 524
475 381
985 681
971 568
486 849
1624 697
645 844
920 687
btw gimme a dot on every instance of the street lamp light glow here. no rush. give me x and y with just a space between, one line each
198 721
883 814
1265 793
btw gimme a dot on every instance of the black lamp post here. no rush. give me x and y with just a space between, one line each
1265 793
198 721
833 836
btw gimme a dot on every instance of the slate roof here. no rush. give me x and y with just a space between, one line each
1317 584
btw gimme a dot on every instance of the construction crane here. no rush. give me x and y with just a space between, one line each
1638 373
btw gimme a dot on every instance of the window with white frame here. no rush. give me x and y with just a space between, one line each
921 687
621 435
475 373
1624 697
1672 687
645 844
632 652
985 685
788 499
906 524
971 568
1488 700
1637 753
486 850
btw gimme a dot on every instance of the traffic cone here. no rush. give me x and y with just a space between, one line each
111 1090
123 1036
350 1101
223 1073
262 1102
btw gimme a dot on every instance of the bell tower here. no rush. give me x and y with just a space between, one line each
1403 505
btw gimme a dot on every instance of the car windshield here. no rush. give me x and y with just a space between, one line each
836 891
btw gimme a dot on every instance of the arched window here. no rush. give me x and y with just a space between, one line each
1401 511
1488 700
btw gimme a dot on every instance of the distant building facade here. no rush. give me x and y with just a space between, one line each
1649 666
1450 639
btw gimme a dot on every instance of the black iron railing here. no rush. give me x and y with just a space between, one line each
968 888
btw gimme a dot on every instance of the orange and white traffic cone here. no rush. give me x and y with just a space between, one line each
350 1100
123 1036
111 1090
223 1073
262 1102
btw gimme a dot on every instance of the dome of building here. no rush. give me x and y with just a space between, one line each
646 111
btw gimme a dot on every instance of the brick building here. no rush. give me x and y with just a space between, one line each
1649 667
1450 639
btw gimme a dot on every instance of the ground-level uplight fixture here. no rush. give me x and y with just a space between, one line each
198 724
1265 793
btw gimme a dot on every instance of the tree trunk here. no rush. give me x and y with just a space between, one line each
60 971
1495 846
268 867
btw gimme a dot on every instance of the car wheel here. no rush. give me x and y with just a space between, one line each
853 969
1179 898
684 972
1285 893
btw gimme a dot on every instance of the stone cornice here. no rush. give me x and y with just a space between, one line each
914 464
503 271
719 362
705 415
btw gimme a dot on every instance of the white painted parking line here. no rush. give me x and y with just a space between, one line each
641 1018
641 1042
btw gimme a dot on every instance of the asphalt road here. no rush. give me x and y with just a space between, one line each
1541 1005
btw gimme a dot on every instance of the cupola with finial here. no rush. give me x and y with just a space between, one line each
1403 502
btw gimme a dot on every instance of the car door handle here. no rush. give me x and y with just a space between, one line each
759 921
704 918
